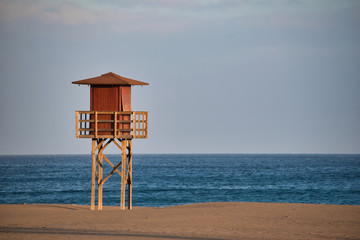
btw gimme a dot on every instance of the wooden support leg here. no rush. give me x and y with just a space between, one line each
126 171
129 181
100 188
123 176
93 171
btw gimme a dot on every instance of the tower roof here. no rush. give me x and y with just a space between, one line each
110 79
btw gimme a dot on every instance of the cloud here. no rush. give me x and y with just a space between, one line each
50 12
165 16
69 14
155 16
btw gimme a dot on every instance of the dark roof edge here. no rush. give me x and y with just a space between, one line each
110 79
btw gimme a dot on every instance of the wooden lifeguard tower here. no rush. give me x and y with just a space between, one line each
111 120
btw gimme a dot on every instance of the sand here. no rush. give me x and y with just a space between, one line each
205 221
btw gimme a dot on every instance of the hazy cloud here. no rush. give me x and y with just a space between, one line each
166 16
50 12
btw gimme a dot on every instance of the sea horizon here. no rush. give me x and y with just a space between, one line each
161 180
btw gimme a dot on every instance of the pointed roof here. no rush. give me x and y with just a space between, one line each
110 79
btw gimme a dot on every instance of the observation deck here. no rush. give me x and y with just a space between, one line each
111 124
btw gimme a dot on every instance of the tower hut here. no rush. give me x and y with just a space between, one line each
111 120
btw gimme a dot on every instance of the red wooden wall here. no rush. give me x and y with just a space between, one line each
110 98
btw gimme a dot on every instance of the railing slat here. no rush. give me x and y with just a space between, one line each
77 124
96 124
87 124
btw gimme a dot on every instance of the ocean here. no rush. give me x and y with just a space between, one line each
172 179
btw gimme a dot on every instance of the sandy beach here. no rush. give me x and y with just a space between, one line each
196 221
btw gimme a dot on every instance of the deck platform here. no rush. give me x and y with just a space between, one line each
113 125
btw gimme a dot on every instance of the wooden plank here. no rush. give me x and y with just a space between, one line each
102 130
100 144
123 130
106 136
111 173
100 185
123 183
105 112
143 125
146 125
96 125
124 121
112 165
86 129
85 112
126 112
125 136
118 145
86 136
129 182
115 123
134 124
91 121
77 124
105 121
125 106
107 144
125 98
93 171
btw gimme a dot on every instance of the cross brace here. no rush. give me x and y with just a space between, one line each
97 155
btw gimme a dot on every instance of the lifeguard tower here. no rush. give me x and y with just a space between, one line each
111 120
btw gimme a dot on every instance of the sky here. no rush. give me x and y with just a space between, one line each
226 76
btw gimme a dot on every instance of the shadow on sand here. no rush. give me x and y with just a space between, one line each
86 232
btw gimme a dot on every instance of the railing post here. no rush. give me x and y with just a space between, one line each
133 125
129 175
146 124
115 121
100 176
77 124
143 124
93 174
123 176
96 135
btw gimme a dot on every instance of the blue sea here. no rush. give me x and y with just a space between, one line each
173 179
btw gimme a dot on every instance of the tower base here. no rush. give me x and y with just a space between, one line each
123 168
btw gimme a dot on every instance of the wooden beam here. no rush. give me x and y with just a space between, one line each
96 125
115 121
118 145
86 129
124 121
93 170
100 144
90 121
111 173
77 124
112 165
107 144
129 178
123 180
100 184
86 112
111 130
146 124
134 124
105 121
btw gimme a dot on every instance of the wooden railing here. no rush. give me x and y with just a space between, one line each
121 125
